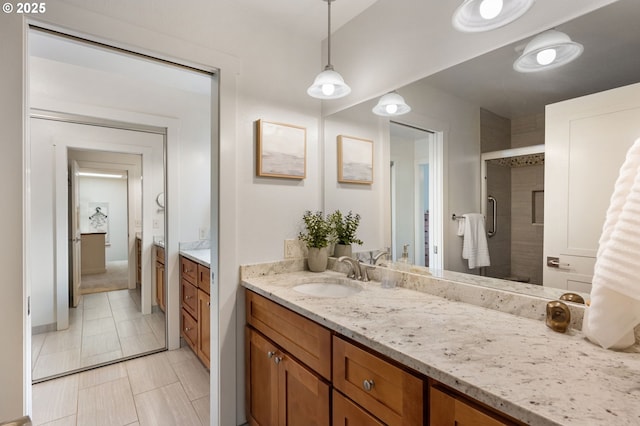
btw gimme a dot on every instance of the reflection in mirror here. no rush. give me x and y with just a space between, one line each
484 106
96 256
410 201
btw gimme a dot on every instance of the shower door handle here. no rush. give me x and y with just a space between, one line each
494 209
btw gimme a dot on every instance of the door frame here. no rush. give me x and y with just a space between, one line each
62 196
133 173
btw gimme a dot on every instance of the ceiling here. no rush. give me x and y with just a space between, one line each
611 58
306 17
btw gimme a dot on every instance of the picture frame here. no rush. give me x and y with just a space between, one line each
281 150
355 160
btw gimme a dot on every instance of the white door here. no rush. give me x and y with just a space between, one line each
586 142
76 236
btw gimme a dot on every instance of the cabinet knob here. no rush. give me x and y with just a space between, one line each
270 354
277 360
188 328
209 304
188 297
368 385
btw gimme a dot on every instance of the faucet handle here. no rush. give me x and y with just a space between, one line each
364 269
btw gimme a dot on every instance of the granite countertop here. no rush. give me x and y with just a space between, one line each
198 251
514 364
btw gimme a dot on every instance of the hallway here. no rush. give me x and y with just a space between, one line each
168 388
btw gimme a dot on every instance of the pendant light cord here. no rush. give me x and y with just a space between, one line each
329 66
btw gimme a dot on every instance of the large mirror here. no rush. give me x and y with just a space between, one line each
492 121
98 164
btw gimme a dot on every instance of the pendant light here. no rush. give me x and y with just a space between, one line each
548 50
391 105
484 15
329 84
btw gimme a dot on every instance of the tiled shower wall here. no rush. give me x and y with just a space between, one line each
516 249
526 236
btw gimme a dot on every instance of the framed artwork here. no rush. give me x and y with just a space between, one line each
281 150
355 160
99 218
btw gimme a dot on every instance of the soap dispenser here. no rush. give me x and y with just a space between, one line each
405 254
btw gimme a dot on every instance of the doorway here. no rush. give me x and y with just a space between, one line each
513 194
413 199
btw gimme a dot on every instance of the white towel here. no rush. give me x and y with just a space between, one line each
615 291
474 244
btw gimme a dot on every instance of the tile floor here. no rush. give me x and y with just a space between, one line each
104 327
168 388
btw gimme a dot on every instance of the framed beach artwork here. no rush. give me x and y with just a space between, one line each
281 150
355 160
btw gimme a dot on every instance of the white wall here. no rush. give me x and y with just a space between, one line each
114 192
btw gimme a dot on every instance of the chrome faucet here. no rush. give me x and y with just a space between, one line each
374 259
355 267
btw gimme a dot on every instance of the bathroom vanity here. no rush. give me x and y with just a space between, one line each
195 302
404 356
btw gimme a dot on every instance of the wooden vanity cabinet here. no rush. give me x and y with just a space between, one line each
195 308
390 393
449 408
160 293
348 413
282 387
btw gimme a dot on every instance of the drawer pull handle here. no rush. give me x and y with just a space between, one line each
368 385
270 354
277 360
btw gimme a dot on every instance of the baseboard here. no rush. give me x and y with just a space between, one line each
45 328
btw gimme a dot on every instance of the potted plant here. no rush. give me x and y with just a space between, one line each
317 235
344 228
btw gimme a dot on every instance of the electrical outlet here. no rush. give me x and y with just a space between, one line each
203 233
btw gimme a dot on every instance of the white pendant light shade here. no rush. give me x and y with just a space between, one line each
548 50
329 84
484 15
390 105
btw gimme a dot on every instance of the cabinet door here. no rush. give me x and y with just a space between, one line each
204 327
303 396
446 410
262 380
346 413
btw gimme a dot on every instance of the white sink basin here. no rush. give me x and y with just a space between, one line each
326 290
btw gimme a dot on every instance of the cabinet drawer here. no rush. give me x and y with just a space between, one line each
447 408
188 270
160 254
390 393
204 278
189 329
346 413
302 338
189 297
